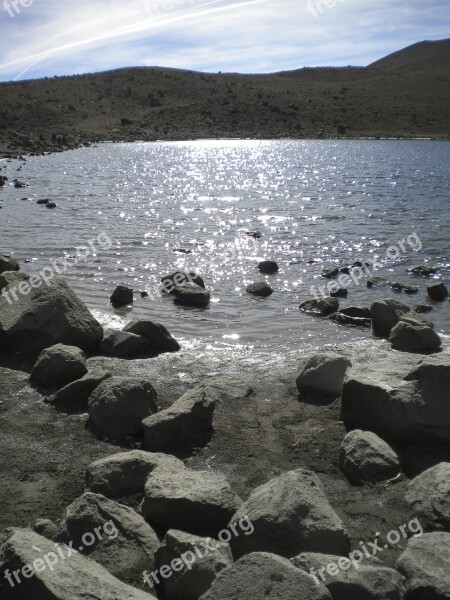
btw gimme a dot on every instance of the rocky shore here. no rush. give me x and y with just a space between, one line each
133 468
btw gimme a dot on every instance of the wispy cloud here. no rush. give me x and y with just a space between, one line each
51 37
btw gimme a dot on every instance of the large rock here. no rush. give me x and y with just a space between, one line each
187 424
75 395
320 307
158 337
8 263
191 294
291 514
408 337
118 406
426 565
122 344
437 291
125 473
58 365
204 559
261 575
366 457
411 405
260 288
385 315
429 496
47 315
169 282
44 575
323 373
12 278
198 502
110 533
369 580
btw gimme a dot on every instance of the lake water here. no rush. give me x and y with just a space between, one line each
331 202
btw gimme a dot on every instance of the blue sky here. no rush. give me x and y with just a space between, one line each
41 38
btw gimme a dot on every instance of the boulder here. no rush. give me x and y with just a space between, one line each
377 281
125 473
46 528
47 315
350 321
437 292
45 576
414 338
261 575
366 457
291 514
118 406
190 579
261 288
186 425
429 496
12 278
323 373
385 315
426 566
423 270
110 533
359 312
320 307
411 405
268 267
157 336
121 296
169 282
75 395
191 294
330 273
58 365
198 502
122 344
406 288
370 581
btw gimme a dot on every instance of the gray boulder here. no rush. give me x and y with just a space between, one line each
323 373
198 502
370 581
320 307
426 566
118 406
12 278
191 294
158 337
291 514
262 575
125 473
260 288
122 344
187 424
49 577
8 263
437 291
110 533
429 496
204 559
75 395
385 315
366 457
408 337
47 315
58 365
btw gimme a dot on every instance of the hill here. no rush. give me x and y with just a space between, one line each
150 103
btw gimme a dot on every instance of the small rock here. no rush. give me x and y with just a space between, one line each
50 205
422 308
342 319
320 308
399 286
58 365
360 312
191 294
260 289
340 293
362 264
19 184
330 273
377 281
43 201
254 234
169 282
268 267
437 292
121 296
124 345
323 373
366 457
423 270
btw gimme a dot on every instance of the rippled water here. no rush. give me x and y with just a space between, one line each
331 202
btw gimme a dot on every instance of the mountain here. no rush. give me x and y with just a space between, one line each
403 95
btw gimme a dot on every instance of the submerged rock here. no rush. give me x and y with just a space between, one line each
423 270
191 294
121 296
320 308
342 319
399 286
360 312
169 282
377 281
330 273
260 288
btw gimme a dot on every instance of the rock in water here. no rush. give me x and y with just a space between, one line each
268 267
426 565
291 514
158 337
429 496
323 373
320 308
259 288
75 576
59 365
261 575
437 292
330 273
121 296
119 404
377 281
8 263
191 294
408 337
359 312
399 286
366 457
423 270
385 315
169 282
47 315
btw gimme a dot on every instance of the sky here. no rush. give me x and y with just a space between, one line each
43 38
